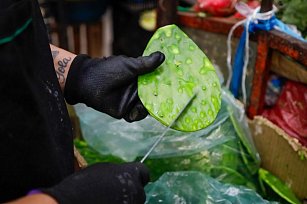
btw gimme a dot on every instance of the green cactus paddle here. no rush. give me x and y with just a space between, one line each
185 71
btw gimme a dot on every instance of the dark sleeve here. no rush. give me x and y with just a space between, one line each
36 148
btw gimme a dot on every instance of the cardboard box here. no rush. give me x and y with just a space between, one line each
281 154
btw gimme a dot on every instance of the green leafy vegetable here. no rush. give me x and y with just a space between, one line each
186 71
91 156
294 12
278 186
245 146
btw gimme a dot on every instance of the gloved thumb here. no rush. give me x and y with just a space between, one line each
150 63
138 112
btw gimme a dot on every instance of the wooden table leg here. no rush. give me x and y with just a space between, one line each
261 75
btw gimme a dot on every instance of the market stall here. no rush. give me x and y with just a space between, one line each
255 150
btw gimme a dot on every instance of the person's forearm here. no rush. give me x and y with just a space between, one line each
35 199
62 60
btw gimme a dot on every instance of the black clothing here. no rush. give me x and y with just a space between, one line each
36 147
118 184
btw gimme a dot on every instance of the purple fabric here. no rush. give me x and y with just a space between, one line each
33 192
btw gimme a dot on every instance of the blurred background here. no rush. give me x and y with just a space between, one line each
105 27
100 27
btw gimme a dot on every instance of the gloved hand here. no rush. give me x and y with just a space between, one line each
109 84
103 183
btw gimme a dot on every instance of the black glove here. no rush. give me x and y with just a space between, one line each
103 183
109 84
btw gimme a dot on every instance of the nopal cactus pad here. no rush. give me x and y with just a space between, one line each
185 71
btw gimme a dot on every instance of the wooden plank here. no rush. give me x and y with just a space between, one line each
80 162
94 39
289 46
288 68
210 24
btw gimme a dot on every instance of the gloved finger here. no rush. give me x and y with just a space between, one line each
143 172
138 112
150 63
141 198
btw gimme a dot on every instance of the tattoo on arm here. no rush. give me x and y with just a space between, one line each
54 53
60 69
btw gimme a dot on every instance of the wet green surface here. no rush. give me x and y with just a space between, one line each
186 71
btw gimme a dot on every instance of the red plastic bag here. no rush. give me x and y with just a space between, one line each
216 7
290 111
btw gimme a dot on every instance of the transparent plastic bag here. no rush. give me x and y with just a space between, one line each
191 187
223 150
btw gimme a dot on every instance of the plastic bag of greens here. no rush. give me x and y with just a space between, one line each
197 188
223 150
